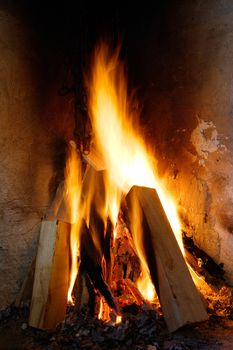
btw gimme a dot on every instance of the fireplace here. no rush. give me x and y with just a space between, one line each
185 105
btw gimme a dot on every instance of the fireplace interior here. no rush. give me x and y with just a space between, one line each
171 63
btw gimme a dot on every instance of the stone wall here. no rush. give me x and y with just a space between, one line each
182 61
33 118
190 113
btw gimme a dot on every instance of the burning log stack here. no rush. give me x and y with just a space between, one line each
87 209
179 298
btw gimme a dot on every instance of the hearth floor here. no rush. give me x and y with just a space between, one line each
138 332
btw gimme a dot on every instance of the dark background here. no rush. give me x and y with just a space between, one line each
73 27
153 47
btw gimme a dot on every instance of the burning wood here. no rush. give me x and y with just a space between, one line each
178 295
49 297
91 204
135 292
91 264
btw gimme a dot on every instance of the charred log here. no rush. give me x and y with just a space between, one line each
91 264
203 264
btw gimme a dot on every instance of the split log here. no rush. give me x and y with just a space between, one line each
60 207
108 251
91 264
95 159
52 212
96 241
49 297
179 298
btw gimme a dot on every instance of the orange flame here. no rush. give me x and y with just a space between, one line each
144 284
100 309
126 157
127 160
73 193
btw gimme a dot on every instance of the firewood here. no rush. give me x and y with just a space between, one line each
108 251
179 298
52 211
95 159
59 208
49 297
95 244
91 264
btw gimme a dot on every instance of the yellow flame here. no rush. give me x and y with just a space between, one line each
118 319
100 314
144 284
73 192
127 159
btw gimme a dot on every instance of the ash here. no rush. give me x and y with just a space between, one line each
141 329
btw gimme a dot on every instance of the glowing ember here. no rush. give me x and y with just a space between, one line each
118 319
104 310
100 314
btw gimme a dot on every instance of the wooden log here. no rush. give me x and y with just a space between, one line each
95 159
96 243
179 298
52 212
91 264
108 251
49 297
60 206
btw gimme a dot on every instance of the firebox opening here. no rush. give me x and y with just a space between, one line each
65 107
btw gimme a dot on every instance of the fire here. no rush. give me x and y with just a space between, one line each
125 154
73 192
100 314
144 284
118 319
128 162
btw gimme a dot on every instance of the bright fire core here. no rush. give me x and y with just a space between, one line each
125 155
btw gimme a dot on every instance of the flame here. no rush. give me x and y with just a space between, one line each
125 154
104 310
100 309
73 192
144 284
118 319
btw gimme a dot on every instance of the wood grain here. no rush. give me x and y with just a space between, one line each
179 297
49 297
